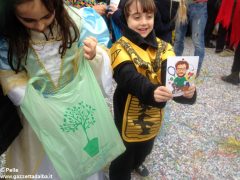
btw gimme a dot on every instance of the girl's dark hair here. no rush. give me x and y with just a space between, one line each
147 6
18 36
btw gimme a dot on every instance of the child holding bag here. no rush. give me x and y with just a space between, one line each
44 71
139 67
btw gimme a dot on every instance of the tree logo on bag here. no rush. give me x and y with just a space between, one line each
81 115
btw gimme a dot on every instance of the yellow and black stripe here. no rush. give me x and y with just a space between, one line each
141 122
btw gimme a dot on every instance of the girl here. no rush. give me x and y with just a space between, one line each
41 39
139 65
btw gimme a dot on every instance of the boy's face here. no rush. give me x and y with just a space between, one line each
140 21
34 15
181 70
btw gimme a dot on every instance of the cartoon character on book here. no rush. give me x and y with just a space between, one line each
181 83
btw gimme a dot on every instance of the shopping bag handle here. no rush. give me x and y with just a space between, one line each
34 79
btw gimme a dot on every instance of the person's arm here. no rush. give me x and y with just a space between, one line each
94 25
111 8
100 63
94 36
132 82
13 84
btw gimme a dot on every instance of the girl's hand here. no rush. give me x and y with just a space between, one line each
89 47
190 92
162 94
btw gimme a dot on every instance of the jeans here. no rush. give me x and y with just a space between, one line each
197 18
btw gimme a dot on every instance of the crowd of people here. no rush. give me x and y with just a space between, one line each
46 45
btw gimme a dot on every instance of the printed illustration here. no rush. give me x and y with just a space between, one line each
181 73
81 115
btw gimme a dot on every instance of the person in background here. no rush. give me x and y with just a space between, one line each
104 8
212 9
229 16
193 12
139 61
10 125
99 7
233 78
164 23
224 47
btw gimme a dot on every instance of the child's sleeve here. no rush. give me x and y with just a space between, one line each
129 80
93 25
12 83
90 23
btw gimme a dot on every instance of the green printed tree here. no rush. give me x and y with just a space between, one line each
81 115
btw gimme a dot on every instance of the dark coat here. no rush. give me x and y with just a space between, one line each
10 124
165 18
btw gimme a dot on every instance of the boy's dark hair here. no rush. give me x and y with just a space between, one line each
147 6
18 35
182 62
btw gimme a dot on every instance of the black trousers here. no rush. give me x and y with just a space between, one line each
213 8
223 38
236 60
10 124
132 158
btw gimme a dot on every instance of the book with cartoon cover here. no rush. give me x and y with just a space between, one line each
181 73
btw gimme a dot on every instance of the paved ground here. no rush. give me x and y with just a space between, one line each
201 141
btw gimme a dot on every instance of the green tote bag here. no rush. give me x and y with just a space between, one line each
74 125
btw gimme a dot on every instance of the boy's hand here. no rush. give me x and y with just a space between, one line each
162 94
89 47
111 9
190 92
